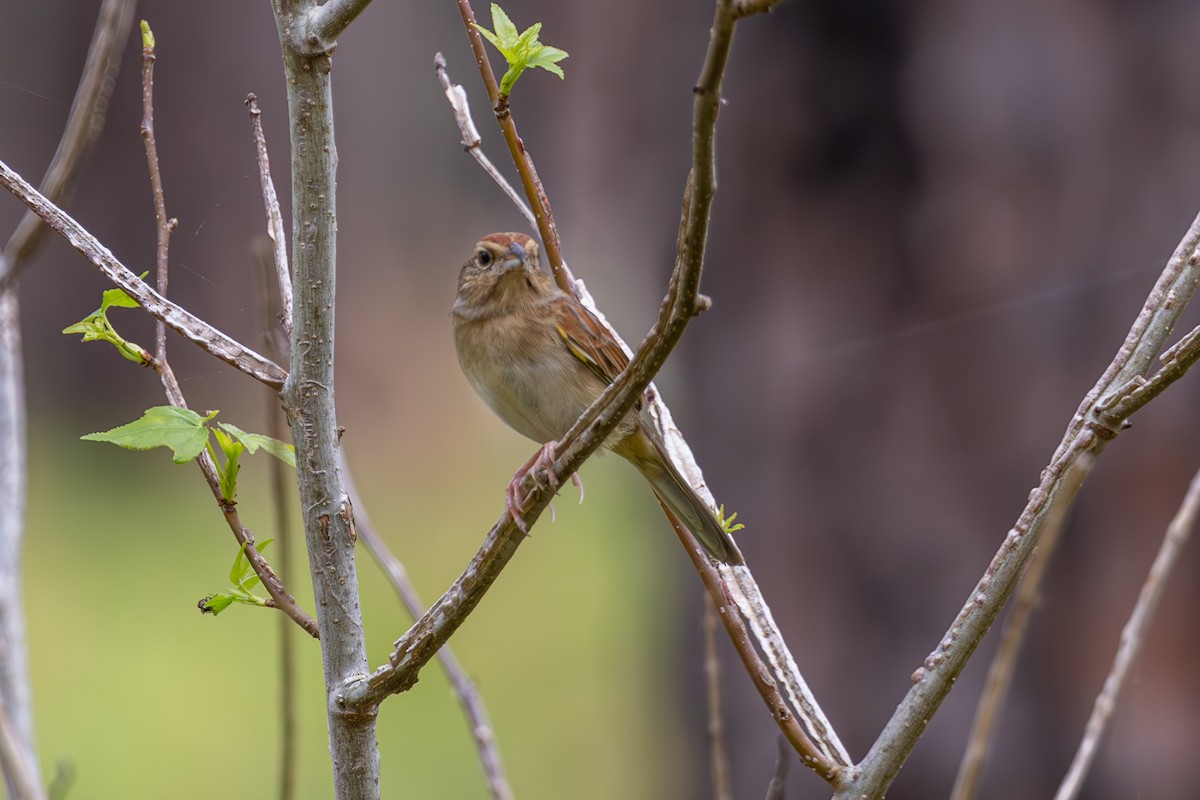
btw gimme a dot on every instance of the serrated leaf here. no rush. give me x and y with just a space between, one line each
504 27
281 450
181 429
521 50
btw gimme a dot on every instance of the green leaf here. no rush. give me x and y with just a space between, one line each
147 36
180 429
505 29
281 450
521 50
229 472
96 327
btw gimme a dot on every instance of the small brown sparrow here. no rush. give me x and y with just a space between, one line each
538 358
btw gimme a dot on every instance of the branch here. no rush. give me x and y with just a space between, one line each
799 716
163 225
84 122
1000 673
471 142
280 597
718 754
18 761
185 323
308 398
1100 417
326 23
1132 635
275 231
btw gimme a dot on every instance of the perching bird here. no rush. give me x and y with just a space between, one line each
538 358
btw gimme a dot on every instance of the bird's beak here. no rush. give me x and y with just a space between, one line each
517 259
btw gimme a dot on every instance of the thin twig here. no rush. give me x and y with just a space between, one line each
1132 635
163 224
718 755
464 688
1100 417
282 496
275 230
187 324
775 787
471 142
84 123
1000 673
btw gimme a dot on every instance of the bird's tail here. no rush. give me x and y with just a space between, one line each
676 494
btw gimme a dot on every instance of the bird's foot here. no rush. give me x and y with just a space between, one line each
517 502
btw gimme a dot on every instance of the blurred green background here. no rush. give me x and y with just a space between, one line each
145 697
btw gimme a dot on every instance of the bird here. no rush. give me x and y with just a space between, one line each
538 358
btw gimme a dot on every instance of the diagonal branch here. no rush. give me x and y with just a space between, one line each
183 322
84 122
1178 532
1101 416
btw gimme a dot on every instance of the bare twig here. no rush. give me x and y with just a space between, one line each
718 755
1176 537
282 496
275 231
84 122
1101 415
464 688
470 137
778 781
163 225
187 324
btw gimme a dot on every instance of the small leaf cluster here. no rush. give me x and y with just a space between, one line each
727 523
242 576
95 327
187 433
521 50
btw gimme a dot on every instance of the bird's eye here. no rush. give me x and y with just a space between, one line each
483 258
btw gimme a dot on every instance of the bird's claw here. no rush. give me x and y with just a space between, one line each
542 462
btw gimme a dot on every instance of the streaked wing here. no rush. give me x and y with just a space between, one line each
590 342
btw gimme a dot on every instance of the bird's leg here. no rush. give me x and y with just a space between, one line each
515 501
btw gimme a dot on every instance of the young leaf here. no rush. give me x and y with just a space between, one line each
180 429
521 50
281 450
229 472
96 327
215 604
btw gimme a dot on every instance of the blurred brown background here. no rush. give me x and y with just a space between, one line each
935 223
